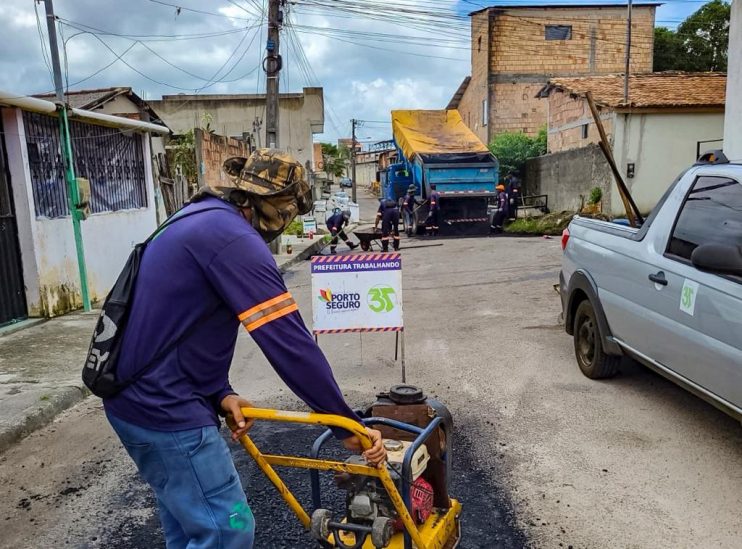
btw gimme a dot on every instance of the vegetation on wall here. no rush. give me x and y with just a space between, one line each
700 43
513 148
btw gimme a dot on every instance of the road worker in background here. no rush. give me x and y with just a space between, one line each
501 214
434 213
335 224
390 226
409 204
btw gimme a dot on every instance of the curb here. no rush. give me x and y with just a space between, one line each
22 325
304 254
62 400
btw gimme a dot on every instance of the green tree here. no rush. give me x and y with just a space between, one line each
513 148
668 50
700 43
335 159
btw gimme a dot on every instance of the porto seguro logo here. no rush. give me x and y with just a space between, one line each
336 303
381 299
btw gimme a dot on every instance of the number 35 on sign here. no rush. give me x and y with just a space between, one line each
357 293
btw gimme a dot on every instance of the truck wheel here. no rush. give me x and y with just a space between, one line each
591 359
381 531
319 528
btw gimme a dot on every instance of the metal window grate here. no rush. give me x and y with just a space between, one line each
112 160
558 32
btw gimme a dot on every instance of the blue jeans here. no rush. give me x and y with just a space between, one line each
199 495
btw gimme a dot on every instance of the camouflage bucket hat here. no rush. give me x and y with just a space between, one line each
272 183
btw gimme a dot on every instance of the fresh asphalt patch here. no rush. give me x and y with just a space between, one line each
487 521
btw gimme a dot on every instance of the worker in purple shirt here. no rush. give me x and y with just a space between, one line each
200 278
335 224
434 213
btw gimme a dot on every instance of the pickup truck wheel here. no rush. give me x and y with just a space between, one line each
591 359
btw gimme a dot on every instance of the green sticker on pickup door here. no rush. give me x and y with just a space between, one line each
688 297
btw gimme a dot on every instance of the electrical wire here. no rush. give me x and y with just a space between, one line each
179 9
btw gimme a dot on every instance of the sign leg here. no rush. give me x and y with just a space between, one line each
404 367
396 346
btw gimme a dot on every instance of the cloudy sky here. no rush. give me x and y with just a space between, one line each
369 55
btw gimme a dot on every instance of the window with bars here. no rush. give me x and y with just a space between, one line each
111 159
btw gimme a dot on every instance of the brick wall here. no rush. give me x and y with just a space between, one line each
521 60
568 115
597 45
470 105
515 108
211 152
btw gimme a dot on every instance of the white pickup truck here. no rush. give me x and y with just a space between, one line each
668 294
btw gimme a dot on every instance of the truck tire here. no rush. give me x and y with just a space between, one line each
592 360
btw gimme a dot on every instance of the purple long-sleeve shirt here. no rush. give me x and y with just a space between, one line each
199 280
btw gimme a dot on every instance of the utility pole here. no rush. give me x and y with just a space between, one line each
628 55
73 193
353 122
272 66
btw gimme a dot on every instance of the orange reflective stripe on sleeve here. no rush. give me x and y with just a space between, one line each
267 311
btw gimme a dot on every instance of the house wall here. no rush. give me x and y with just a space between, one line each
470 105
48 251
120 105
733 126
520 61
301 116
366 173
661 145
567 116
568 177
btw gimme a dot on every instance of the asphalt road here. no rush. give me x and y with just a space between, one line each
544 456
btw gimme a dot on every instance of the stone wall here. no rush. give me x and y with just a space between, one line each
211 152
567 177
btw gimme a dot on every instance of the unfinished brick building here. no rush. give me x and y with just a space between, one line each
515 50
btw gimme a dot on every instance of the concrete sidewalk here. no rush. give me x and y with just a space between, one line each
40 365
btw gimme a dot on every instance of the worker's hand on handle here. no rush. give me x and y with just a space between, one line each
376 455
231 405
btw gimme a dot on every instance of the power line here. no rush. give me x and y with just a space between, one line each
179 9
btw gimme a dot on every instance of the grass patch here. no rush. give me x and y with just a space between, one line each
44 397
551 224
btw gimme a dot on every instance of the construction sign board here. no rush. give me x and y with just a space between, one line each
357 293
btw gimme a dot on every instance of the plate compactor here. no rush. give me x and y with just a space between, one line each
405 503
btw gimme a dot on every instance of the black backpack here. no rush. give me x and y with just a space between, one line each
99 372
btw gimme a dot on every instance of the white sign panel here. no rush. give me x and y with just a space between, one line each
357 293
309 225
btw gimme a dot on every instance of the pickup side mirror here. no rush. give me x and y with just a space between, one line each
718 258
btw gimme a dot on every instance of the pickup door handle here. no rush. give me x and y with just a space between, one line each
658 278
